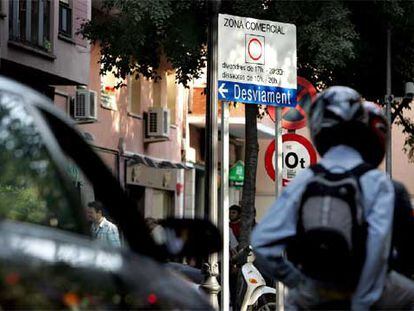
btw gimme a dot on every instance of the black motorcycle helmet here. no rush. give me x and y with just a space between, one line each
337 117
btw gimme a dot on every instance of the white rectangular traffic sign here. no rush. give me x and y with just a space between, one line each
256 61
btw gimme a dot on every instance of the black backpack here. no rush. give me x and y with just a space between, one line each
331 230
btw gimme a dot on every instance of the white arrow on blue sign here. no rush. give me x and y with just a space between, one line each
222 91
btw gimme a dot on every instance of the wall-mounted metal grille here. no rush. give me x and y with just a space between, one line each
152 122
80 107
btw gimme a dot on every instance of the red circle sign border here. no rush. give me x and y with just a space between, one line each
309 89
261 49
287 137
289 125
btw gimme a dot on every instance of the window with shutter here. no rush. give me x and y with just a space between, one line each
65 19
29 23
171 95
134 91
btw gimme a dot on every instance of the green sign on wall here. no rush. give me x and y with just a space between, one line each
236 175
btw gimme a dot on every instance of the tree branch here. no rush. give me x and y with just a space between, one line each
408 125
398 108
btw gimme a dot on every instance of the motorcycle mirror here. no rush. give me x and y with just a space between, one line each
188 237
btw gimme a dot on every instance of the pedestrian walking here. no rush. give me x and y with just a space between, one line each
234 215
102 229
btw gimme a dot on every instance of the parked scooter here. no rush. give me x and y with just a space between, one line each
254 294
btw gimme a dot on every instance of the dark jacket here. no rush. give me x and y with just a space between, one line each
402 257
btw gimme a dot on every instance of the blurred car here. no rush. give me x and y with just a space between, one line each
47 257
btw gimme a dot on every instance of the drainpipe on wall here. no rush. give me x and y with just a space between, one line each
121 161
388 101
179 194
2 18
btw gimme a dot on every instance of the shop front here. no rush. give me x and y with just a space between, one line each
157 187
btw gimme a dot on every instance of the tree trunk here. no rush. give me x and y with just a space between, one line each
249 188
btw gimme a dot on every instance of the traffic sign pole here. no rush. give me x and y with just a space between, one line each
211 285
388 99
225 262
278 189
278 153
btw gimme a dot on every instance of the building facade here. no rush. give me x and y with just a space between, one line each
139 130
39 45
151 134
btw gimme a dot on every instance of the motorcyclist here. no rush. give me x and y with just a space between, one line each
342 135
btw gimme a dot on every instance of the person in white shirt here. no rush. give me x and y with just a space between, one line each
102 229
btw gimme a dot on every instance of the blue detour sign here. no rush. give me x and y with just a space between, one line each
256 94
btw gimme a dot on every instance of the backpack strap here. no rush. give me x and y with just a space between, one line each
318 169
361 169
357 171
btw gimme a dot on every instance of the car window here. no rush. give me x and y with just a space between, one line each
100 185
31 190
100 224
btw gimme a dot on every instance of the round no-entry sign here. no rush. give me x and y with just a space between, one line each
295 118
298 154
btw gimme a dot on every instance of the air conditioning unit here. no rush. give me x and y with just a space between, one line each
158 123
85 107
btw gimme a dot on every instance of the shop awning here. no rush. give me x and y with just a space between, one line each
154 162
236 127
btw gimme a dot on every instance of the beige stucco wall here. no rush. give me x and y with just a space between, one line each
402 169
265 186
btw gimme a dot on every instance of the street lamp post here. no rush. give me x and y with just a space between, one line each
389 98
211 284
388 101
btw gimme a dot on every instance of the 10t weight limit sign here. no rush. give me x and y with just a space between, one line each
298 154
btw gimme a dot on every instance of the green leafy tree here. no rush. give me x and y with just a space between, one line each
30 189
135 36
339 42
367 73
